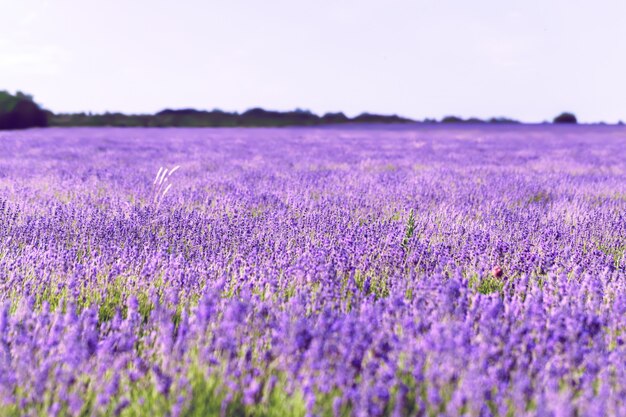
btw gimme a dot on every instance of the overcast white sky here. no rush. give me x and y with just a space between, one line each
527 59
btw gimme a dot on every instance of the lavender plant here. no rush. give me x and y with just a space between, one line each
287 279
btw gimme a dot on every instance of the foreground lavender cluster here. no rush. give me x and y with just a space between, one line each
339 272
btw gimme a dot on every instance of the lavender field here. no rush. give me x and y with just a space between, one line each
313 272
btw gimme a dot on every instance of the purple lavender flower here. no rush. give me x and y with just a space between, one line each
279 268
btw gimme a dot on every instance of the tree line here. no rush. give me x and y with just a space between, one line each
19 111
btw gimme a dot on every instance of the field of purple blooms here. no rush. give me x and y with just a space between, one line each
313 271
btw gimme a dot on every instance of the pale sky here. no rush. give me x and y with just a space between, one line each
527 59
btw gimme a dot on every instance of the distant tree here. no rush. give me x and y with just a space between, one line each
180 112
565 118
379 118
335 118
503 120
456 119
201 118
452 119
24 96
27 114
7 102
19 111
305 111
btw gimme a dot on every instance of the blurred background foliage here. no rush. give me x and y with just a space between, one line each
19 111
